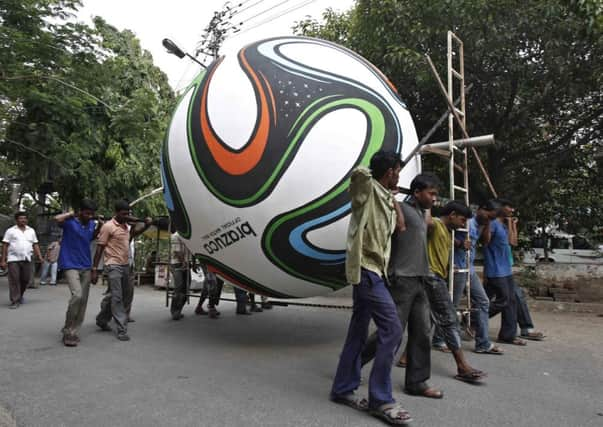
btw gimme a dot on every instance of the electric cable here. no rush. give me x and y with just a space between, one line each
273 17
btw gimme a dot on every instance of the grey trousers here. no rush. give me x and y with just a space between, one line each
79 286
114 304
412 306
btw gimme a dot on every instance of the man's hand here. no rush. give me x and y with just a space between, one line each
94 276
3 265
467 244
148 221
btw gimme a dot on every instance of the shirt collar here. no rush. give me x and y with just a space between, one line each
117 224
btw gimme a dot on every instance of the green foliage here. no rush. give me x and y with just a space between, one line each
83 109
536 71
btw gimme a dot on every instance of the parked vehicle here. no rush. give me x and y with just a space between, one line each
563 248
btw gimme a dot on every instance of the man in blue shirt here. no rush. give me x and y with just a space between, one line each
497 269
75 259
479 232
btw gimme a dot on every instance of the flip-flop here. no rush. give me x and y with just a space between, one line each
471 377
432 393
491 350
401 364
351 400
514 341
392 413
533 336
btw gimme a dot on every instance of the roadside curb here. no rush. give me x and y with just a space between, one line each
565 307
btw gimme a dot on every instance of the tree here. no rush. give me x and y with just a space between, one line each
84 110
537 85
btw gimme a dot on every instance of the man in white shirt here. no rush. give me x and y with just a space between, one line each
18 245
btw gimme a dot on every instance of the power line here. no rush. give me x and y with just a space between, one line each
265 11
245 8
276 16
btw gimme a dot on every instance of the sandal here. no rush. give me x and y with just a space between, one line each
392 413
490 350
351 400
430 392
514 341
533 336
401 363
472 377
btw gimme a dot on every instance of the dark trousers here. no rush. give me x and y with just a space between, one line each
114 304
372 300
501 291
412 308
443 312
523 313
241 298
212 289
180 274
19 274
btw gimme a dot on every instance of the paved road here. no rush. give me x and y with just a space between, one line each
269 369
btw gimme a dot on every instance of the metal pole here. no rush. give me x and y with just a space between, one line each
429 134
476 141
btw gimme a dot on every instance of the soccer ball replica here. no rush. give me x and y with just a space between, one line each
258 156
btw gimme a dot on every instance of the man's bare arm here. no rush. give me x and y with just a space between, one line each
61 218
400 221
485 235
97 257
135 232
512 222
429 221
4 252
36 249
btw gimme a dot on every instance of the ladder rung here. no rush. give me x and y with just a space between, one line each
461 270
462 229
459 188
457 74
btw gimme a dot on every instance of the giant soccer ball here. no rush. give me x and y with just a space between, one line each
258 155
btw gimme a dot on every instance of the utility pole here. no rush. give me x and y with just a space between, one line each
218 29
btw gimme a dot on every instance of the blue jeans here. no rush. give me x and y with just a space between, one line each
480 305
523 313
372 300
46 268
501 291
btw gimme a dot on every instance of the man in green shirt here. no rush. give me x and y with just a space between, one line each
439 245
375 215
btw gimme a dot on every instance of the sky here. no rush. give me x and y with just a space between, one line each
183 21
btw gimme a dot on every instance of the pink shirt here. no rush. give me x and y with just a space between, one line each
115 237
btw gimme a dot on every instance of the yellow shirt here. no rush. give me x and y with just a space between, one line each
371 226
439 245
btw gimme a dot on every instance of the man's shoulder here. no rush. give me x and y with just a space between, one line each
9 231
407 206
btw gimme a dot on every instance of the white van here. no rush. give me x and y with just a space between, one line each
564 248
